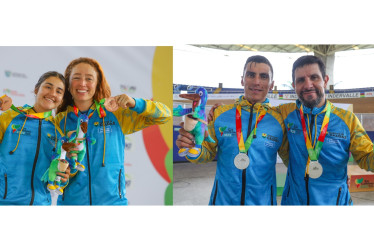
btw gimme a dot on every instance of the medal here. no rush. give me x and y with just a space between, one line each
241 161
315 169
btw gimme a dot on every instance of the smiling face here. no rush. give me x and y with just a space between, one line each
310 85
257 81
49 95
83 81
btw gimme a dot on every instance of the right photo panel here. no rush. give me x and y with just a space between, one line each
282 124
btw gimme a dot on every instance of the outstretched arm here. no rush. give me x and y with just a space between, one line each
144 114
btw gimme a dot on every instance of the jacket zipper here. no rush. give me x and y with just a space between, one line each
307 188
6 186
337 201
306 178
244 173
119 183
271 195
35 161
89 172
215 194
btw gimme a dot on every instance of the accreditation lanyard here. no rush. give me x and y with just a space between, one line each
35 115
314 153
243 147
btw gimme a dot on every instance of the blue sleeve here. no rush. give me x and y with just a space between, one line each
139 105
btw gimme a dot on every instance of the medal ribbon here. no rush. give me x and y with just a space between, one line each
35 116
243 147
100 107
76 111
314 153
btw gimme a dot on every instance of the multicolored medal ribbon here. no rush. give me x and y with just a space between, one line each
76 112
35 116
314 152
100 108
241 161
8 104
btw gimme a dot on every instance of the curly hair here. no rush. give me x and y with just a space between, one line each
102 87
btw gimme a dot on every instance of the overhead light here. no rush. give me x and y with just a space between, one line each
247 47
355 47
302 47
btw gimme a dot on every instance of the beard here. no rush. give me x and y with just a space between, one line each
311 103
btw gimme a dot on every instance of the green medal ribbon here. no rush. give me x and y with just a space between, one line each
100 108
243 147
314 153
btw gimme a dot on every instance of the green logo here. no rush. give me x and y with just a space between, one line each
222 129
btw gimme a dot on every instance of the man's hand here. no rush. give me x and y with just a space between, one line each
185 139
211 111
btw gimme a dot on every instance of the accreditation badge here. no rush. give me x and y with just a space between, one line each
241 161
315 169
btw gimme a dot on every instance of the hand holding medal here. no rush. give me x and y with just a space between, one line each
123 101
111 104
5 102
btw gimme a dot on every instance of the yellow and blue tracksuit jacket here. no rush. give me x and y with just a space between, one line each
255 185
103 180
344 134
26 151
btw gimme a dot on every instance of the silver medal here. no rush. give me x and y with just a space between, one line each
241 161
315 169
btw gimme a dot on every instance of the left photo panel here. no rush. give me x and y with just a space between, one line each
86 125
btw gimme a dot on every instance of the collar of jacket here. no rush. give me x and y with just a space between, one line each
313 111
246 105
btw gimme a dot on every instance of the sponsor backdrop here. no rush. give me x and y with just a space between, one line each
137 71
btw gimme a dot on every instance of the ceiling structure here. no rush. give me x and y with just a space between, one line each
325 51
318 49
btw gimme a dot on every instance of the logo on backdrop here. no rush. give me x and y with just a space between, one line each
128 180
128 89
128 143
9 73
12 92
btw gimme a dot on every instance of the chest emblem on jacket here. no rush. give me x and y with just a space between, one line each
292 128
226 132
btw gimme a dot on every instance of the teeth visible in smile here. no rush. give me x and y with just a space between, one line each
48 99
81 91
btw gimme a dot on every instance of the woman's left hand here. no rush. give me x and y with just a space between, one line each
64 176
125 101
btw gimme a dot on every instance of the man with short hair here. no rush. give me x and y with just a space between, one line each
320 138
247 136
